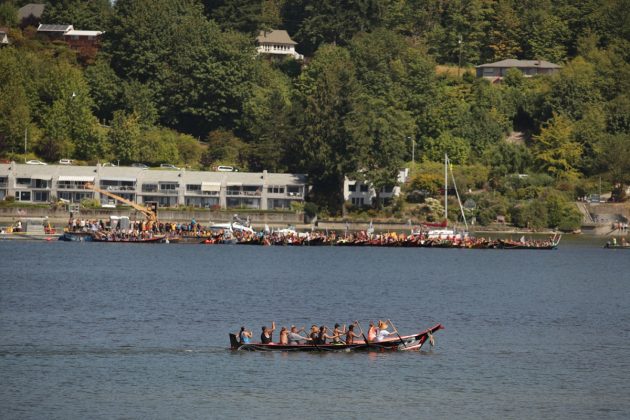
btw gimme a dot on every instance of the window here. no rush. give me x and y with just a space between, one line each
357 201
352 187
275 189
42 196
169 186
23 195
294 190
387 189
23 182
149 187
193 187
364 188
41 183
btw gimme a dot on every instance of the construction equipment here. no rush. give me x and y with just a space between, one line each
148 213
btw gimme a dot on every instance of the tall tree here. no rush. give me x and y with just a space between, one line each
554 148
328 90
124 137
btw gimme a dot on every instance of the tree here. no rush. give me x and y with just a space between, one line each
124 136
383 130
504 33
615 160
458 149
8 15
554 148
14 108
82 14
328 91
225 148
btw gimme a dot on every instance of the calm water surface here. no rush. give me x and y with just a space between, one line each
140 331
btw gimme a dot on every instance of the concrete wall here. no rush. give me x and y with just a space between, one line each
60 217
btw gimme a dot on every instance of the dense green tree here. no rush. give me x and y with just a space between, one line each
14 108
329 91
8 15
457 149
239 15
124 137
332 21
224 148
91 15
383 130
555 149
504 33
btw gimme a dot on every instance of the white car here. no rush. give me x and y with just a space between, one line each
109 164
227 169
139 165
35 162
169 166
66 161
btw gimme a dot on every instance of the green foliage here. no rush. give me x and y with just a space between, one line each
82 14
8 15
554 148
124 137
224 148
458 149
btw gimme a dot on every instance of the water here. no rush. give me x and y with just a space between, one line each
140 331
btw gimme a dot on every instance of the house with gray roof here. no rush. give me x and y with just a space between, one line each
497 71
277 42
31 14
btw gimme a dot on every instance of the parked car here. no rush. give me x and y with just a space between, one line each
66 161
35 162
108 164
140 165
169 166
227 169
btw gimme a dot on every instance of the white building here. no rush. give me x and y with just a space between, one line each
277 42
259 190
362 194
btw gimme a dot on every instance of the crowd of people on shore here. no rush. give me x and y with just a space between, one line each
319 335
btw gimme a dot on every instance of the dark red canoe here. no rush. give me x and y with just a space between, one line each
406 342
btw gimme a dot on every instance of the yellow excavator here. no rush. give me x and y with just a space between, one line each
148 213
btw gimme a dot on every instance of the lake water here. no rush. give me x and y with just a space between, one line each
141 331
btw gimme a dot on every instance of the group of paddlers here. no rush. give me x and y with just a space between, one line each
319 335
389 239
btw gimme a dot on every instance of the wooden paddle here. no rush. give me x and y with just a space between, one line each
367 343
396 331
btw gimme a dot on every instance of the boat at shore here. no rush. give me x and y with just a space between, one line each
402 343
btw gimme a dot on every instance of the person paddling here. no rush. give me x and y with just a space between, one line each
245 336
382 331
284 335
351 335
295 337
372 332
266 336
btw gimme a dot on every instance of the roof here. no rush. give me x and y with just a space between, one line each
512 63
275 36
32 9
54 28
74 32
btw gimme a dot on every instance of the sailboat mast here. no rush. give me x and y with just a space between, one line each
446 188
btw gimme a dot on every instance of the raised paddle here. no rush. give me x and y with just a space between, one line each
396 331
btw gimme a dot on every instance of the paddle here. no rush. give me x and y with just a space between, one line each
396 331
367 343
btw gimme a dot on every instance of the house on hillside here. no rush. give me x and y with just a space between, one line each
31 14
82 40
277 42
497 71
53 31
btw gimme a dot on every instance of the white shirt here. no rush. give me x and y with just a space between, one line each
382 334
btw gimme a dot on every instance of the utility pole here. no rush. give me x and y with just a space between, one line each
25 138
413 149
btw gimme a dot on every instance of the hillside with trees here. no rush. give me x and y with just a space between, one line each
179 81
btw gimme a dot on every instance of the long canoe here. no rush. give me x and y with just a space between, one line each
405 342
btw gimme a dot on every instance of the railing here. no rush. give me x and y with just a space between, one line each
238 193
118 188
72 187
